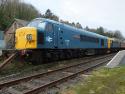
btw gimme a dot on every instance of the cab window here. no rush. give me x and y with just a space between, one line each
34 23
42 25
38 24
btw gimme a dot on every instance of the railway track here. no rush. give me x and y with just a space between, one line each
36 83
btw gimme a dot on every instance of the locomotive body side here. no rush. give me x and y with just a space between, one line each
58 36
72 38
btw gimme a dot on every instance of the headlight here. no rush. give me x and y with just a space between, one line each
29 37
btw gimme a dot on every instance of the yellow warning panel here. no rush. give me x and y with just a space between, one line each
26 38
109 42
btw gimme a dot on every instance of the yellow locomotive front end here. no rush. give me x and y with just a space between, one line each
26 38
109 43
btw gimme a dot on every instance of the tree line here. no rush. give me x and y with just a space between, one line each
102 31
10 9
50 15
112 34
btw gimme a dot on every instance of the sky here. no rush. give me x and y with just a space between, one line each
109 14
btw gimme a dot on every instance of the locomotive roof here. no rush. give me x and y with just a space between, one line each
75 29
48 20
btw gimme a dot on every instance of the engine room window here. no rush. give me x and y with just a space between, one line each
49 27
89 39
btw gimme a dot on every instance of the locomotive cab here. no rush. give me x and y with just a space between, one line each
29 37
39 34
34 39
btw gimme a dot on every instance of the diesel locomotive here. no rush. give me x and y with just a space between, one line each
45 40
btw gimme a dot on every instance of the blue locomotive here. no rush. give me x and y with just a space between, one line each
44 40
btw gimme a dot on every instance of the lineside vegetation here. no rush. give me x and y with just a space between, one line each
104 81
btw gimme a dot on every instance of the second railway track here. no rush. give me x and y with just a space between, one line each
36 83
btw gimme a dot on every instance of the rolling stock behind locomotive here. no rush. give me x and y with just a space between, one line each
43 40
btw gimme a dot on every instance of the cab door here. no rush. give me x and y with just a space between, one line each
49 35
56 35
102 43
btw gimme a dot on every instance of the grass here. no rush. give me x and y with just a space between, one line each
104 81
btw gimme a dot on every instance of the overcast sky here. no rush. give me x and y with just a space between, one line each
109 14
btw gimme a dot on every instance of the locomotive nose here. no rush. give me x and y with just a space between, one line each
26 38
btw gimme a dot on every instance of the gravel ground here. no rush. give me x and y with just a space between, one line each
58 89
40 68
61 88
